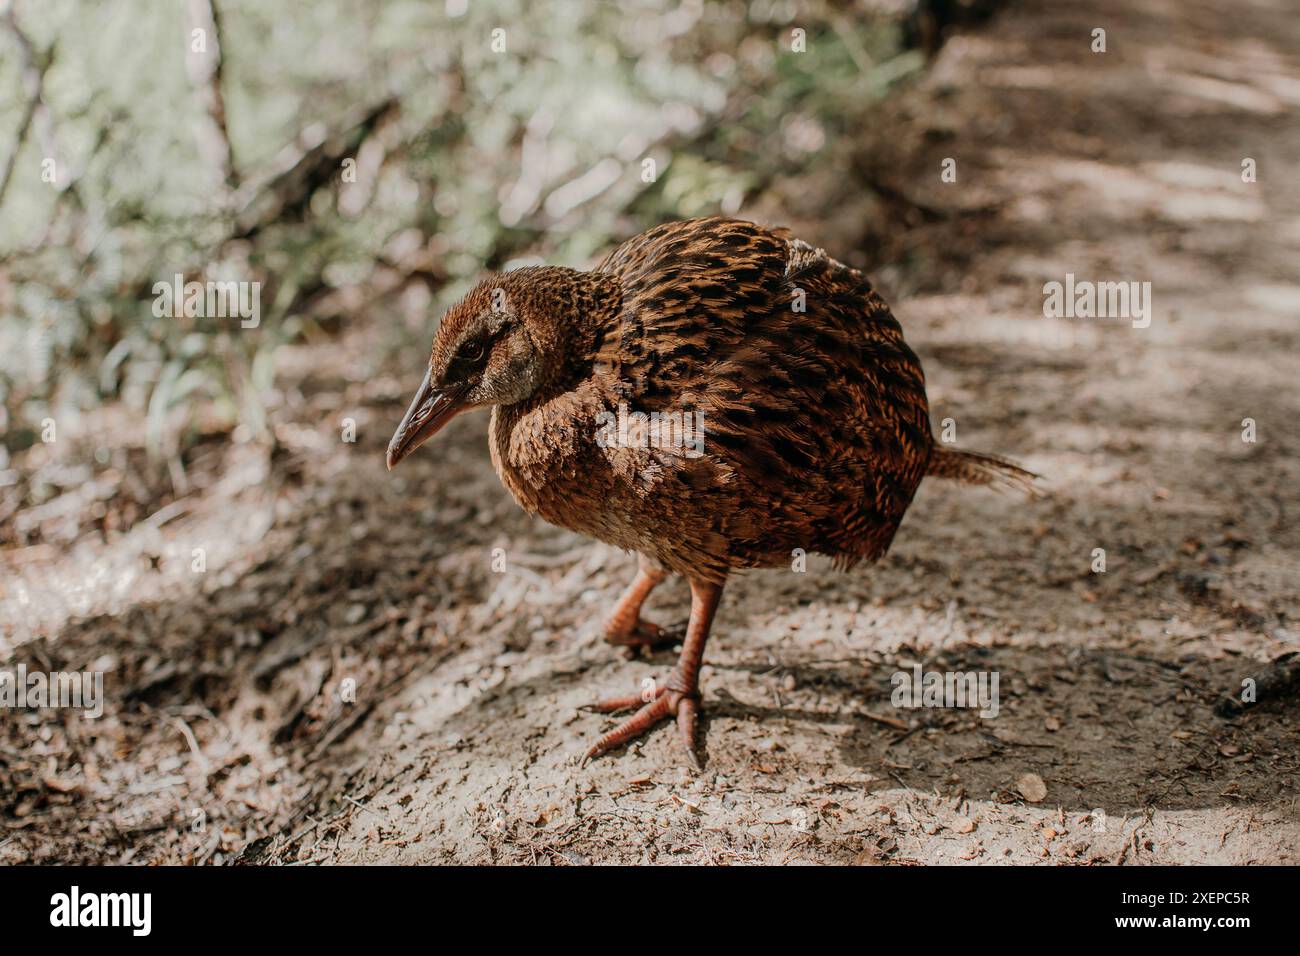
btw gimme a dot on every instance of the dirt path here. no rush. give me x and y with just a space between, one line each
461 743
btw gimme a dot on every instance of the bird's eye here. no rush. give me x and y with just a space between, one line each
470 351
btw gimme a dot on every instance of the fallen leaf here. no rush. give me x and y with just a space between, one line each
1032 788
870 856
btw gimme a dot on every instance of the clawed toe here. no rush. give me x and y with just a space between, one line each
612 705
656 704
688 715
646 634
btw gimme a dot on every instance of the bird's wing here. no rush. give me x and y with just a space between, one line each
771 338
695 334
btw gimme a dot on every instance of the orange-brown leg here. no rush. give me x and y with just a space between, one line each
679 695
624 626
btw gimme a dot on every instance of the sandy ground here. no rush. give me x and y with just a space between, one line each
232 732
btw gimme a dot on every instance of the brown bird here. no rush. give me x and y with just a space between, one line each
714 396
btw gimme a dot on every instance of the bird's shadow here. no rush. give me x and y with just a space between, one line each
1109 729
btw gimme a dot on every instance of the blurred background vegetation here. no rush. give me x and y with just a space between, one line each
364 161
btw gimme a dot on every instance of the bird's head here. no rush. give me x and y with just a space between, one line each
511 335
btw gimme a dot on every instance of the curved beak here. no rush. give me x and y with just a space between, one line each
430 410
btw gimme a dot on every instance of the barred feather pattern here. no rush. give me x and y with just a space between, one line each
816 423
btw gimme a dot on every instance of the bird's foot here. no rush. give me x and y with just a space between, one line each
675 697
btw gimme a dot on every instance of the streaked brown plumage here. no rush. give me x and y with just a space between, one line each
816 428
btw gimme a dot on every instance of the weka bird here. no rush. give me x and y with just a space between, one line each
816 429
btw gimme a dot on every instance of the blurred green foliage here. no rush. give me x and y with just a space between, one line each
466 155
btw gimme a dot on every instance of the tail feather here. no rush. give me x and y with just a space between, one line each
975 468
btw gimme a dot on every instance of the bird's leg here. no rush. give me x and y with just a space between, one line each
624 626
679 695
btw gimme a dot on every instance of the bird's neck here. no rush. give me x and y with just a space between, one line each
584 307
